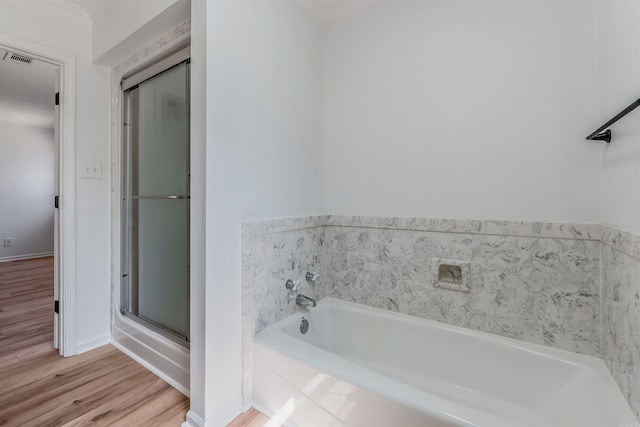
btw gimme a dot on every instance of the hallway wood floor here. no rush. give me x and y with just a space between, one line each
102 387
26 310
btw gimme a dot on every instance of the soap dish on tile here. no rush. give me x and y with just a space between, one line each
451 274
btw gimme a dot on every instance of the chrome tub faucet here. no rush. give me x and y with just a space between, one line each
305 301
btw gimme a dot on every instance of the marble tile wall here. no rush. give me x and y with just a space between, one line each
621 311
538 282
272 252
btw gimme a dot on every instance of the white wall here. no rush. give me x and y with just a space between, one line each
436 109
463 110
27 188
264 156
619 54
45 23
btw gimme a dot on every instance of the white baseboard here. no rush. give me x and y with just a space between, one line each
193 420
27 256
92 344
221 419
226 414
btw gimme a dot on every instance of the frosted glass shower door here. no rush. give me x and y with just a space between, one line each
159 188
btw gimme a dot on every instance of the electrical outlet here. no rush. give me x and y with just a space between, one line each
8 242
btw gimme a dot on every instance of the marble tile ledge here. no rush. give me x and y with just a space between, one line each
281 225
627 242
180 31
540 229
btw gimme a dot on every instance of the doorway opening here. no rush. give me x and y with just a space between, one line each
61 200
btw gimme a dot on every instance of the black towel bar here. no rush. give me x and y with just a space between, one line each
598 135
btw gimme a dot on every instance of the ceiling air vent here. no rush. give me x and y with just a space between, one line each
20 59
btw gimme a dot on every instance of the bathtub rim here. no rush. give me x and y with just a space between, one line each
275 337
538 349
393 389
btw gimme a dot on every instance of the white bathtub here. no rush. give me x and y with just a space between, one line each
359 366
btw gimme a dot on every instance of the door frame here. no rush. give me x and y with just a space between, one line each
64 250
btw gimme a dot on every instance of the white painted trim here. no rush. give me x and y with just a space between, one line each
159 373
160 355
56 218
198 316
156 68
226 414
72 7
66 169
193 420
27 256
93 343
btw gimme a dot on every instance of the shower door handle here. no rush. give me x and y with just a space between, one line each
158 197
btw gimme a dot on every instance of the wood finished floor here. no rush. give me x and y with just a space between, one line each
26 310
253 418
102 387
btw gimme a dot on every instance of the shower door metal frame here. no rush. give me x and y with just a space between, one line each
128 293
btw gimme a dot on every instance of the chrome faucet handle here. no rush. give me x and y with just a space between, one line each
311 277
292 285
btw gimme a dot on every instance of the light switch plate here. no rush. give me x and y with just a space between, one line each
91 169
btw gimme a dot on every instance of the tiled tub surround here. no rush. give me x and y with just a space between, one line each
539 289
621 311
273 252
538 282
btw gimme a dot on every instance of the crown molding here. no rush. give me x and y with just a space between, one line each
85 8
71 7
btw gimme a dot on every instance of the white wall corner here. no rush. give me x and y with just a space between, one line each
225 415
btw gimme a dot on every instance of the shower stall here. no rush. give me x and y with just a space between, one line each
153 310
